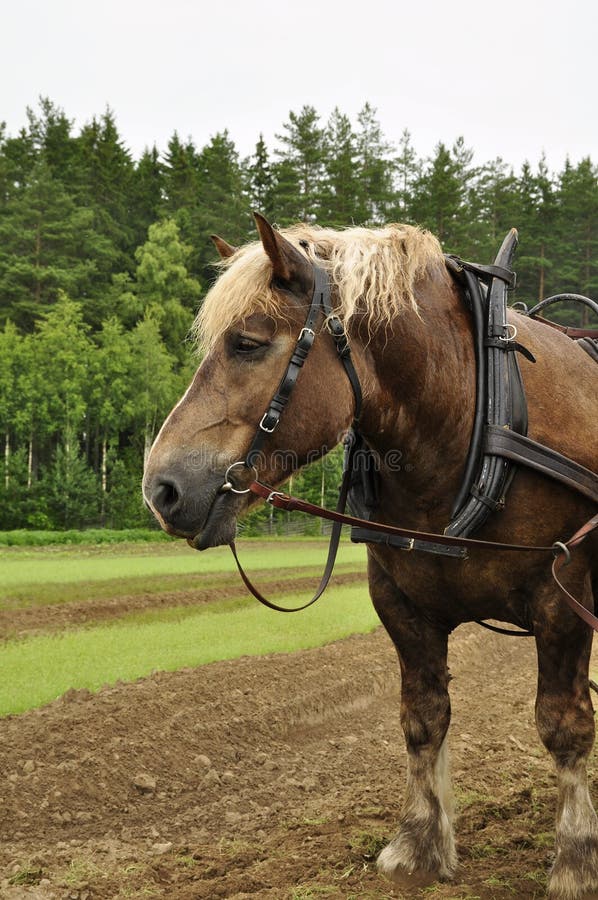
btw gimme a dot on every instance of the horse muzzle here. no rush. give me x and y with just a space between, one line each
192 505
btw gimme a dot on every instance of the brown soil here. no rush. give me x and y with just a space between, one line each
278 777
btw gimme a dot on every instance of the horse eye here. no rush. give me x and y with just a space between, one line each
247 345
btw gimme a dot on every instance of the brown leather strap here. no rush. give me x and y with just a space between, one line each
291 504
280 500
521 449
350 447
569 329
332 551
562 559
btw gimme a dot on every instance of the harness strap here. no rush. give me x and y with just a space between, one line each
563 559
561 551
283 501
523 450
485 273
569 330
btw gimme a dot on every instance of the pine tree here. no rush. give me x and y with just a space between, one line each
341 185
180 175
494 204
407 172
441 195
303 148
375 170
147 193
260 180
287 204
17 160
577 229
70 489
104 184
47 244
538 209
223 207
51 140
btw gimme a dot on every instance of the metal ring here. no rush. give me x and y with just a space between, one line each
558 548
240 462
513 335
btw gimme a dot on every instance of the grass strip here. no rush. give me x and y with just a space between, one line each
61 593
25 538
38 670
76 567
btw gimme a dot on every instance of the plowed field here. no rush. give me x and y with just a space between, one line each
276 777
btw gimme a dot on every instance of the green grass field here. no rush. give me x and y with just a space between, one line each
79 564
39 668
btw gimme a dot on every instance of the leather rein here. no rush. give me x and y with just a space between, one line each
525 452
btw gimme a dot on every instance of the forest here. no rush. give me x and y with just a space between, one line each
104 260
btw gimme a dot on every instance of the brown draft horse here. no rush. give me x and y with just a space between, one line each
412 346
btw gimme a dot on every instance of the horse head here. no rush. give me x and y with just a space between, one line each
249 324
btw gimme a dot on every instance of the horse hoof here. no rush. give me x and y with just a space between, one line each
574 876
393 865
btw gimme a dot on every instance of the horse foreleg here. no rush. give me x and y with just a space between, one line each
423 850
565 722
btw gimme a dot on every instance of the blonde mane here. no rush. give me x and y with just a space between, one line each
374 272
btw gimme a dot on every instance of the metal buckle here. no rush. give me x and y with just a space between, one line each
272 494
409 546
263 427
306 331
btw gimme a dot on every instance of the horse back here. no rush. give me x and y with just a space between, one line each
561 387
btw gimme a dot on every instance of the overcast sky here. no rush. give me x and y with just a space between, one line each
516 78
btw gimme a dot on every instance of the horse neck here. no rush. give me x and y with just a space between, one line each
419 411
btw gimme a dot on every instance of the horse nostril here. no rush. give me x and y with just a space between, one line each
165 497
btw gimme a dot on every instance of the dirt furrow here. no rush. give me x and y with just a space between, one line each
278 777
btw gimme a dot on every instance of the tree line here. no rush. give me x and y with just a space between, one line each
104 260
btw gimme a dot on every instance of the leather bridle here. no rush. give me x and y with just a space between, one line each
550 462
320 304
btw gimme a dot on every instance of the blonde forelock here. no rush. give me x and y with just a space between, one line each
373 272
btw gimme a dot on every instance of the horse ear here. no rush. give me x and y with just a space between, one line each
224 249
287 262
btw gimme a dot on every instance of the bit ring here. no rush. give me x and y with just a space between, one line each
228 486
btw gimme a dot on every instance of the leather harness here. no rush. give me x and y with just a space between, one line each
498 440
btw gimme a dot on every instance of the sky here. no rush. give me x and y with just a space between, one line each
516 78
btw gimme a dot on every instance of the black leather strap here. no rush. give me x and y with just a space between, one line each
271 418
500 396
521 449
485 273
367 536
563 298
